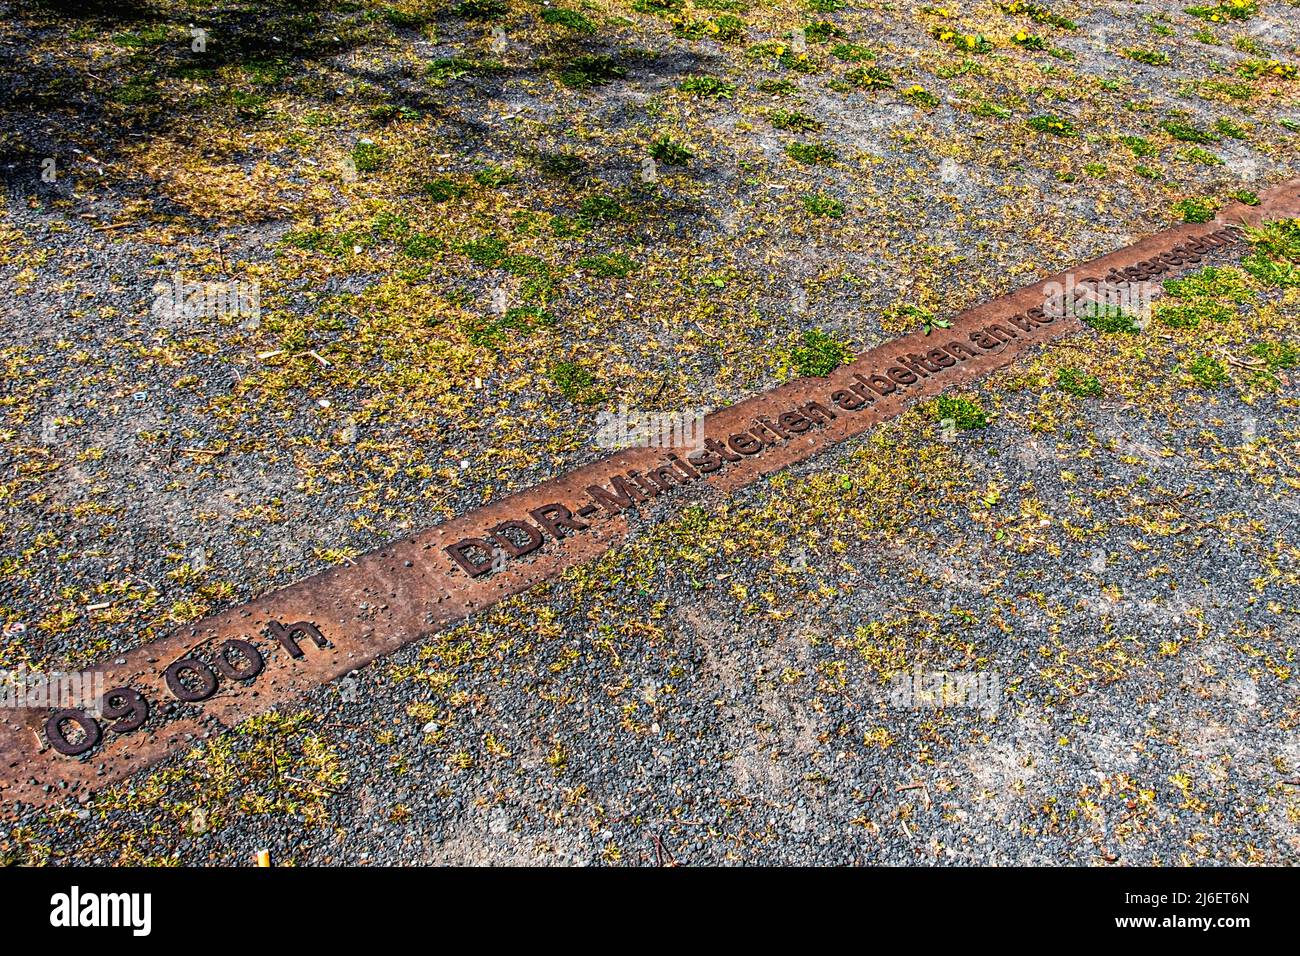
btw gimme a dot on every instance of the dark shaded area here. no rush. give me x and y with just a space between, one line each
54 100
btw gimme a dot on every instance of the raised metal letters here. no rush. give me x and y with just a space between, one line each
417 585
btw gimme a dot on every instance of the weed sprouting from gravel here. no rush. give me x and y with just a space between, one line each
819 354
1072 381
965 413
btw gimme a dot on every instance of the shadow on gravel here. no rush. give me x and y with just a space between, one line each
104 77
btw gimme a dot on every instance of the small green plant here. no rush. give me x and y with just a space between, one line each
707 87
1245 197
1149 57
1224 11
455 67
852 52
1074 382
390 225
810 153
1189 315
443 188
1278 239
819 204
267 72
1108 318
779 53
724 29
869 78
1028 41
1211 282
488 251
423 246
669 152
560 165
587 70
611 265
329 243
920 96
1226 127
575 383
1195 209
794 121
1055 125
1038 13
367 157
956 68
601 208
966 42
991 110
1233 91
819 355
137 91
1207 372
481 9
1276 253
964 413
1159 28
1194 154
1267 69
1248 45
151 36
521 319
493 177
570 19
1277 355
1187 132
248 104
660 8
923 315
566 227
1270 271
819 31
388 112
403 19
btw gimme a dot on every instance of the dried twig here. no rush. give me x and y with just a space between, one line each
311 783
917 786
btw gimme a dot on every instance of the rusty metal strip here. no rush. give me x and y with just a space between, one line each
216 672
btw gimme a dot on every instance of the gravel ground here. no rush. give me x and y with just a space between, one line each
1112 544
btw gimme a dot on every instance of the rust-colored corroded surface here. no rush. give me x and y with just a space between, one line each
412 587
